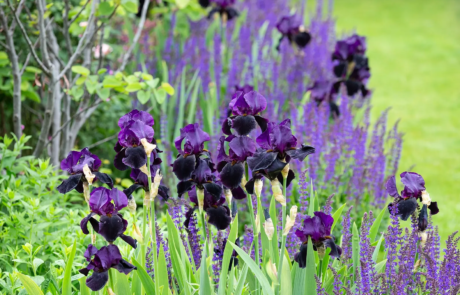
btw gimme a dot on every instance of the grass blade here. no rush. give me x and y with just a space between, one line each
145 278
375 255
267 290
227 256
205 285
241 280
337 214
31 287
122 284
376 225
67 281
162 275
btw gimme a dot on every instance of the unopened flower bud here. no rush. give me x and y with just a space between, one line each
86 192
110 292
423 238
132 205
269 228
416 266
258 184
277 193
88 174
290 220
257 224
228 196
200 197
144 169
148 147
244 181
137 233
155 185
426 200
272 271
285 171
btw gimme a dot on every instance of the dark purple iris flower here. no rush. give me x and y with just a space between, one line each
74 164
111 225
231 167
278 147
135 126
223 8
238 91
323 90
245 108
105 258
351 65
218 214
291 29
318 228
414 186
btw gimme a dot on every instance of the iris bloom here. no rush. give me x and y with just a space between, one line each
74 165
351 65
278 147
414 188
323 90
135 135
245 108
218 214
318 228
223 8
231 166
105 258
111 225
293 31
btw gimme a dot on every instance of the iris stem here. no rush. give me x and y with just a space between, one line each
283 237
153 224
144 236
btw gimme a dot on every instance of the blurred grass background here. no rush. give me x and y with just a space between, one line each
414 53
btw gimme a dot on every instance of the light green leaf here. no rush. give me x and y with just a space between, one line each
160 95
102 71
182 3
227 256
375 255
133 87
337 214
105 8
84 290
32 95
80 70
205 285
145 278
379 266
37 262
31 287
33 70
168 88
103 93
67 281
286 285
162 275
325 263
111 82
355 248
3 55
241 280
310 282
130 6
78 92
376 225
81 80
152 83
267 290
143 96
91 86
121 284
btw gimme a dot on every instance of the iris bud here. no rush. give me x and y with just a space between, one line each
277 193
269 228
272 271
416 266
290 220
148 147
86 191
200 196
244 181
257 224
110 292
88 174
426 200
258 184
155 185
228 196
285 171
132 205
423 238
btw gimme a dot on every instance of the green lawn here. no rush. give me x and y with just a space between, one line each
414 51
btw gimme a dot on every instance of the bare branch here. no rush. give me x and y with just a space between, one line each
18 12
78 14
136 37
83 42
66 27
103 141
29 43
43 33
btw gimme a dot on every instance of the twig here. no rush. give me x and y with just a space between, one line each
103 141
17 12
29 43
78 14
136 37
66 27
81 44
43 33
101 40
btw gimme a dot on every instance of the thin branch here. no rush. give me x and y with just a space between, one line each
43 33
103 141
136 37
81 44
66 27
29 43
101 41
4 45
17 12
78 14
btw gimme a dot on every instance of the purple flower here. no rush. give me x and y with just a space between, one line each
105 258
204 3
318 228
194 137
291 29
245 108
414 185
111 225
136 130
218 214
74 164
223 8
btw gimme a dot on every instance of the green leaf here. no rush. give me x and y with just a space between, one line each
375 255
162 275
84 290
102 71
143 96
31 287
376 225
36 263
241 280
91 86
133 87
67 281
267 290
33 70
182 3
310 282
325 263
152 83
379 266
286 276
205 285
227 256
337 214
3 55
105 9
160 95
145 278
78 92
168 88
111 82
355 248
299 279
130 6
32 95
103 93
80 70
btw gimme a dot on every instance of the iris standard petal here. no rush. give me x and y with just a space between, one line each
119 199
391 187
70 183
136 115
241 147
414 184
99 199
90 252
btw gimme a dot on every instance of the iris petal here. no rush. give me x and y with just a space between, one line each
184 167
231 175
301 256
118 161
124 267
70 183
423 218
243 125
336 251
219 217
132 242
301 153
391 188
135 157
104 178
97 280
111 227
433 208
